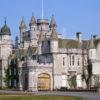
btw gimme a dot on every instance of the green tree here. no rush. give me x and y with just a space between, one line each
6 78
87 74
72 81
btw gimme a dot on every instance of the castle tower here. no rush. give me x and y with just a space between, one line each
5 51
22 28
33 31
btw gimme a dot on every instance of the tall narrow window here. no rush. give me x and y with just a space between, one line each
73 59
0 37
78 63
0 52
70 60
91 54
63 61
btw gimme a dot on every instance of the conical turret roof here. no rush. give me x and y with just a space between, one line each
91 44
32 21
23 24
53 22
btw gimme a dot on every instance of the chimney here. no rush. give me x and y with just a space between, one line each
94 36
79 36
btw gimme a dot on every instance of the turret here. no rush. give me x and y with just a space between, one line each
54 35
54 41
92 50
5 50
22 29
33 30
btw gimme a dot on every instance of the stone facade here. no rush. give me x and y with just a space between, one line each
46 61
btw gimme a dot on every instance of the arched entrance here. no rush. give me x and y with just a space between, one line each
44 82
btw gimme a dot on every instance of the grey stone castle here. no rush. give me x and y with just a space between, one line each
46 61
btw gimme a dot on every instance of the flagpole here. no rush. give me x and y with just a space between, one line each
42 9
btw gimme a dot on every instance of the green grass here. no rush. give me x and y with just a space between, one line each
37 97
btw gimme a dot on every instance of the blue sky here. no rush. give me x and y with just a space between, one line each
71 15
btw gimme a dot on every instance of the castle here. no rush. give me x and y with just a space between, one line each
44 60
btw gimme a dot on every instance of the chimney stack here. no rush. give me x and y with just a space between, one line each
79 36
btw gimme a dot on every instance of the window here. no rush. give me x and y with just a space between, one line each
0 52
73 59
9 82
14 71
63 61
91 54
0 37
70 60
10 71
14 82
78 63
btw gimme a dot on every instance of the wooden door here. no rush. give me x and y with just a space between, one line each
43 82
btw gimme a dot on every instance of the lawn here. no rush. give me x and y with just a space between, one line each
36 97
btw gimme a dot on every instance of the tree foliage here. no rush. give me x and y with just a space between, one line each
87 74
72 81
10 75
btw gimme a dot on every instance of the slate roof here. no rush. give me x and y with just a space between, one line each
71 43
5 30
23 52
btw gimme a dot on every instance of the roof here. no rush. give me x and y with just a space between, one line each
71 43
32 21
20 53
24 52
23 24
91 44
5 30
53 22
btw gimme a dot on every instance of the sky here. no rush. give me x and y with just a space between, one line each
71 15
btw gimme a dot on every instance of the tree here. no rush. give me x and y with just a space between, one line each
72 81
11 74
87 74
6 78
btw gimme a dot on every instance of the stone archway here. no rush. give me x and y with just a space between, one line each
44 82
